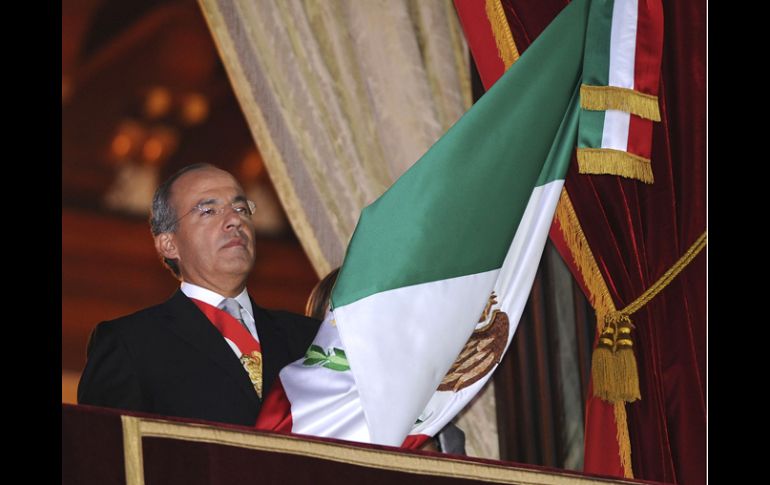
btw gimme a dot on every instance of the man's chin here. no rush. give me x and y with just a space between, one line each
238 265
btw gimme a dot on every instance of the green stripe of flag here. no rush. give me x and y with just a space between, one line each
591 129
555 166
455 212
596 70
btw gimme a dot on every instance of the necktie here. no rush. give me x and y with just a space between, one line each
252 361
231 306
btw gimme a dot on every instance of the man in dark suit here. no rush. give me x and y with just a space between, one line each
208 352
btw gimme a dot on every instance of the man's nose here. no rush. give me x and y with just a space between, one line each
232 218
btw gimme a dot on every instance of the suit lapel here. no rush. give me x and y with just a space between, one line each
273 342
192 326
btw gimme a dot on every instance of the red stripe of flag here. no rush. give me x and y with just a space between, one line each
649 47
414 441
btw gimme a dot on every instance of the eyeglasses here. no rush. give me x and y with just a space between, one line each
208 210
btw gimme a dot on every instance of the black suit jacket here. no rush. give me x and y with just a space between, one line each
170 360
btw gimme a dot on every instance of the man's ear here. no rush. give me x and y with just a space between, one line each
165 244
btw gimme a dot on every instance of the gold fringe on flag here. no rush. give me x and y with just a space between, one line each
624 442
606 161
602 98
506 47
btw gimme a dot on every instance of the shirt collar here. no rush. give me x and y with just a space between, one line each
213 298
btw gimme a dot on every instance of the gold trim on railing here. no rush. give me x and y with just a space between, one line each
132 450
135 429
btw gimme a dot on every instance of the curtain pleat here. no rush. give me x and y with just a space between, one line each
341 97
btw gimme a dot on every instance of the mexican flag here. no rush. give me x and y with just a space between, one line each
439 268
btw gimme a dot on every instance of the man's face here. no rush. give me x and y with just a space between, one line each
212 250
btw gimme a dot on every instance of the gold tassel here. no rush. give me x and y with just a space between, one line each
613 365
602 98
623 439
506 47
614 368
606 161
601 371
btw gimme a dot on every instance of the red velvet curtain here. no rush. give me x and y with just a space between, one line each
638 231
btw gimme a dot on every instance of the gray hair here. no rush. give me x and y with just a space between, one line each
163 217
